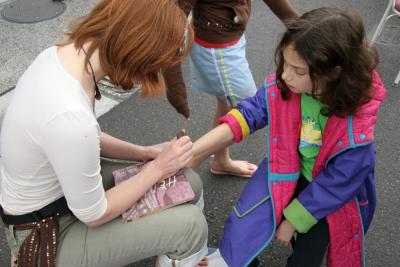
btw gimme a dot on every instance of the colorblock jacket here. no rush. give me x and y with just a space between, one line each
343 186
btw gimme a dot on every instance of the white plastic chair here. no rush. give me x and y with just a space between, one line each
393 9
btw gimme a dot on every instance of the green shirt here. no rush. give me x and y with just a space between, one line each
312 127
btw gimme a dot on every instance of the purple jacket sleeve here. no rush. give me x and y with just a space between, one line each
342 179
254 110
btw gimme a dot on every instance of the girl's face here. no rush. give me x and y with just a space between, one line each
296 72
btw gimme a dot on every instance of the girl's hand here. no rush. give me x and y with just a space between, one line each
285 233
175 155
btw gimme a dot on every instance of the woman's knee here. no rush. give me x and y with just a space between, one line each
194 223
192 246
195 218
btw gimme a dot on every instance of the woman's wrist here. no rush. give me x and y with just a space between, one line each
139 153
149 152
156 172
152 152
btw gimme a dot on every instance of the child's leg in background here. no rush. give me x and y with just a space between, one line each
224 73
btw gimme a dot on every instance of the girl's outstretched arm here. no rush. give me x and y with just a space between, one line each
212 141
249 116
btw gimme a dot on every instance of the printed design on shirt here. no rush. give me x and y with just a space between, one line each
310 133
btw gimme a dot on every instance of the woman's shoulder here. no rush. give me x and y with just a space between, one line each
44 69
45 56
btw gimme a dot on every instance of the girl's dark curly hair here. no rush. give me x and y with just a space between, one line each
334 45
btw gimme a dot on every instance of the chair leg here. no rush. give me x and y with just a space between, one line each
382 22
397 80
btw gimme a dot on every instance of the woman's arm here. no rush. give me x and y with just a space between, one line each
71 142
176 155
115 148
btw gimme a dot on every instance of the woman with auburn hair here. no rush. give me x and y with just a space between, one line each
56 196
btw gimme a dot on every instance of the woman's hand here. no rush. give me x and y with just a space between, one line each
285 233
174 156
153 151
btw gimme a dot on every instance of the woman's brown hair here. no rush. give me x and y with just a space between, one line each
334 45
136 39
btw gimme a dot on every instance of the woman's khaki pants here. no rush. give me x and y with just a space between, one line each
177 235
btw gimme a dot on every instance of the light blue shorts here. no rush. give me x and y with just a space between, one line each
223 72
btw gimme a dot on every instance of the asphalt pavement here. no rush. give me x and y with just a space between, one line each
149 121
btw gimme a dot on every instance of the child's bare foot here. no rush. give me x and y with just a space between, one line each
238 168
